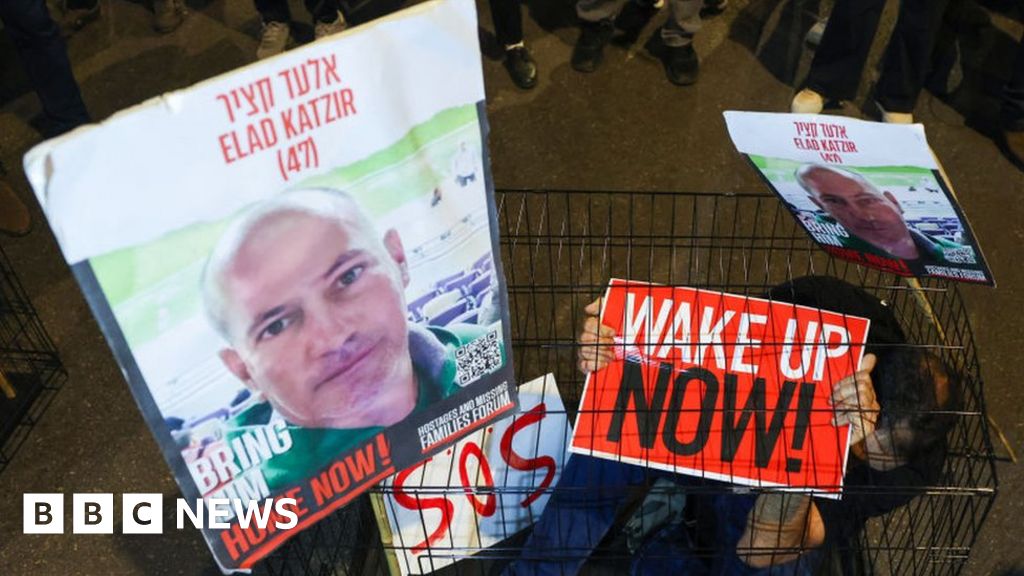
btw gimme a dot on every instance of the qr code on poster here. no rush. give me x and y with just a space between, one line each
479 357
962 255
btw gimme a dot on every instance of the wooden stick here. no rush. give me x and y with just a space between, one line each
5 386
386 538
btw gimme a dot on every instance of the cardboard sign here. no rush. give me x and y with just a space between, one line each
487 487
867 192
297 266
721 386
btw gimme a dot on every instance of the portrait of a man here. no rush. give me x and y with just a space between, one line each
874 218
310 299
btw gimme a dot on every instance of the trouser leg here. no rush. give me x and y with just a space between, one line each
597 10
1013 94
273 10
683 22
840 57
323 10
508 21
44 54
908 56
579 513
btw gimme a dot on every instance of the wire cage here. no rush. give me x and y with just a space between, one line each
559 249
30 370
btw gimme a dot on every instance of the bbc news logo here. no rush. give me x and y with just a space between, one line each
143 513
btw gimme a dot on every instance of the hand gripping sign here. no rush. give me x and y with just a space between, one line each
721 386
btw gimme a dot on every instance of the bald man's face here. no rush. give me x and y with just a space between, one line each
315 312
866 213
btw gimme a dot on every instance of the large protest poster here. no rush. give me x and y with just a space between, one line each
867 192
296 265
484 489
721 386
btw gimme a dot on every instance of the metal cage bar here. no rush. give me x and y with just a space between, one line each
31 372
560 248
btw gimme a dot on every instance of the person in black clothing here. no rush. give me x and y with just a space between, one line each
44 55
839 60
900 413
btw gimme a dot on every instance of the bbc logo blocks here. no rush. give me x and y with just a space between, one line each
93 513
43 514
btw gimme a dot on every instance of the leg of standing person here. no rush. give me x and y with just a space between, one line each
681 64
42 51
508 27
840 57
167 15
1013 111
908 58
275 31
596 28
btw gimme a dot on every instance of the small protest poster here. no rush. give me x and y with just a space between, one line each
484 489
721 386
867 192
296 265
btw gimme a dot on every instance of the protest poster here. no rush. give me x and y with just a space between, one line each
484 489
866 192
721 386
296 265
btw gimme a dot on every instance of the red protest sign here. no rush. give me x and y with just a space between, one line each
721 386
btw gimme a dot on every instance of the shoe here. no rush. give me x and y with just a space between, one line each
15 219
322 29
814 35
681 65
1013 146
895 117
274 39
521 67
168 15
634 17
74 19
588 52
807 101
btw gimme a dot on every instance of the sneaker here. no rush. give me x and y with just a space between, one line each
807 101
15 219
895 117
814 35
322 29
74 19
274 39
681 65
521 66
634 17
664 504
168 15
588 52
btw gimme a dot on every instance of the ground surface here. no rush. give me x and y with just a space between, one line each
624 127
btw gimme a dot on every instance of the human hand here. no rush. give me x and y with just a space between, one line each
596 339
855 403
